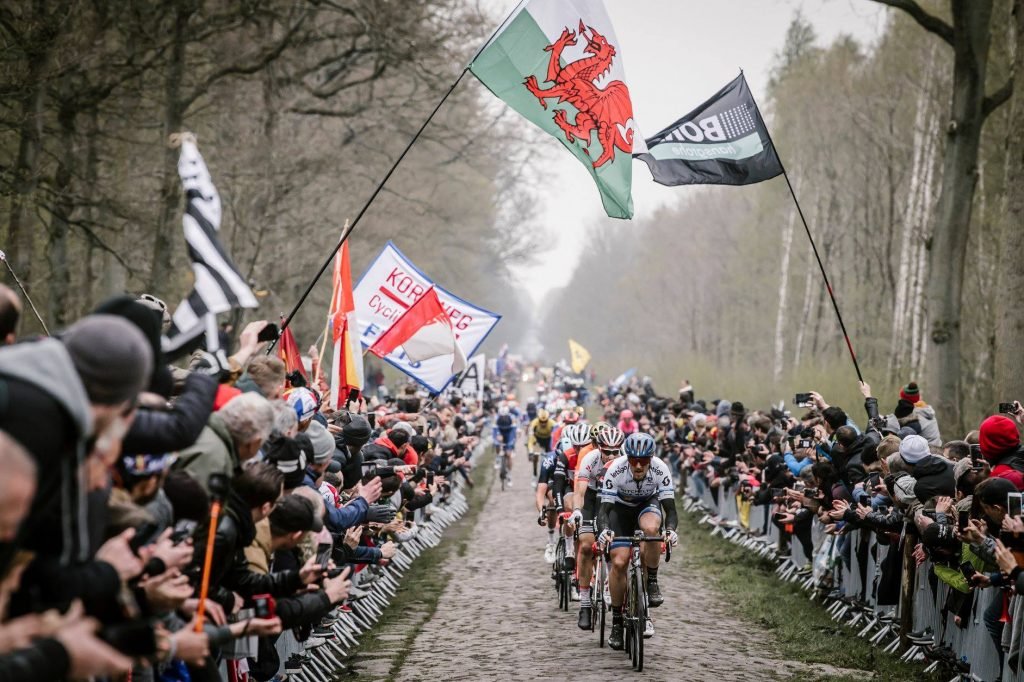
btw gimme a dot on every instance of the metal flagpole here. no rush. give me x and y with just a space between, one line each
380 186
3 257
814 248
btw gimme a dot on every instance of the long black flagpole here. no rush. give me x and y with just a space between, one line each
380 186
355 221
814 247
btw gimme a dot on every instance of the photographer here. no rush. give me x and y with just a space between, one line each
250 499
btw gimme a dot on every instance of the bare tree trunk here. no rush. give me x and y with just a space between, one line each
780 319
170 195
971 37
57 251
917 191
21 234
1009 370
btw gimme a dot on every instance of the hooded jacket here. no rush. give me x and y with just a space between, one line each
213 452
925 415
382 448
44 406
934 476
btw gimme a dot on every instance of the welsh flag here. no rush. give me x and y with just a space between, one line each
346 360
423 331
557 63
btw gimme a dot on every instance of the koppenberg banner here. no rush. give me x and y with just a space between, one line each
388 287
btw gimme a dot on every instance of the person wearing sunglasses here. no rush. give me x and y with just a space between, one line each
637 493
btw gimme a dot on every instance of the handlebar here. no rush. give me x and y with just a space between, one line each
637 539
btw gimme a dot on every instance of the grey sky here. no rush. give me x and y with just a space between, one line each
677 54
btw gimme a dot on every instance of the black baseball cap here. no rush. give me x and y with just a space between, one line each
293 514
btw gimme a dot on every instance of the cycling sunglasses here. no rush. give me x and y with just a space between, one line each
638 460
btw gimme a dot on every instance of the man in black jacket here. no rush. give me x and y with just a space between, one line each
252 496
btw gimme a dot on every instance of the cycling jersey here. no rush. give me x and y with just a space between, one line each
591 469
547 469
542 429
620 487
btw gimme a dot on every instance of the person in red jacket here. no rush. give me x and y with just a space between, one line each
1000 446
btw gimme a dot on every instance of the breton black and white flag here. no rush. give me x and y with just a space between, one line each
218 285
724 141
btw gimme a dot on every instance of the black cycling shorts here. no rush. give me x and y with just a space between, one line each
589 511
625 520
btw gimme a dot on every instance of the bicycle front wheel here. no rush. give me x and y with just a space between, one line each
640 610
504 470
601 574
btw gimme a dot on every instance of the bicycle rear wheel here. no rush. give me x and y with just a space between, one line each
640 609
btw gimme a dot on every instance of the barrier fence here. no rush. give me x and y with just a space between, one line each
849 574
377 588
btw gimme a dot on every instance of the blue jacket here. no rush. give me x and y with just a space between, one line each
796 466
340 519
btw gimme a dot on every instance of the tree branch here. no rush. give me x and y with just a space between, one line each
997 98
929 22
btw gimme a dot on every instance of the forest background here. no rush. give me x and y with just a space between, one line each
300 107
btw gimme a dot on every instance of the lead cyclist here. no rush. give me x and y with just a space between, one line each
637 493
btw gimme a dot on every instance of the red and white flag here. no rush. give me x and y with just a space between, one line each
347 360
423 331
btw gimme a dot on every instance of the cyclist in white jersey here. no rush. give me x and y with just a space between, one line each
637 493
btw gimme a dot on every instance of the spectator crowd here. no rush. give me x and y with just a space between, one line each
205 522
916 540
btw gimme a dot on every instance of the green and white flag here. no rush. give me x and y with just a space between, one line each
556 62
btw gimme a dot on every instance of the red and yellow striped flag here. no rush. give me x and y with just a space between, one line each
347 361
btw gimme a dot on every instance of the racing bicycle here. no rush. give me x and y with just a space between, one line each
635 608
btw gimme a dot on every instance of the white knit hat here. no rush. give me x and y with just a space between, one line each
913 449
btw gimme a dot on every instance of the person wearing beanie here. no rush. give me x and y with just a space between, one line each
913 449
323 443
1000 446
288 456
911 393
933 474
906 418
61 398
928 424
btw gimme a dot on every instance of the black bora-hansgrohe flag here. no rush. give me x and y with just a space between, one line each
724 141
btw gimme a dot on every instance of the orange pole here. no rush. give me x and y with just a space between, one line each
207 563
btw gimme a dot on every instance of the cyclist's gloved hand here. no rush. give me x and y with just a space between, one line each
542 518
606 537
672 537
576 518
559 508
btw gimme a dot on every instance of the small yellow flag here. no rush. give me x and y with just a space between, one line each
580 356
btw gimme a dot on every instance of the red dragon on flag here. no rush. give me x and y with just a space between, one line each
608 110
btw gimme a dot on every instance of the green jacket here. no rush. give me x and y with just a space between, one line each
212 453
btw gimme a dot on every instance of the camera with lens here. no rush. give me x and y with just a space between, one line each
264 606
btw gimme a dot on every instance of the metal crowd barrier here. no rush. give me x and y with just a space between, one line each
327 660
850 570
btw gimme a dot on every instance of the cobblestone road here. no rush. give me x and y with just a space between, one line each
498 619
